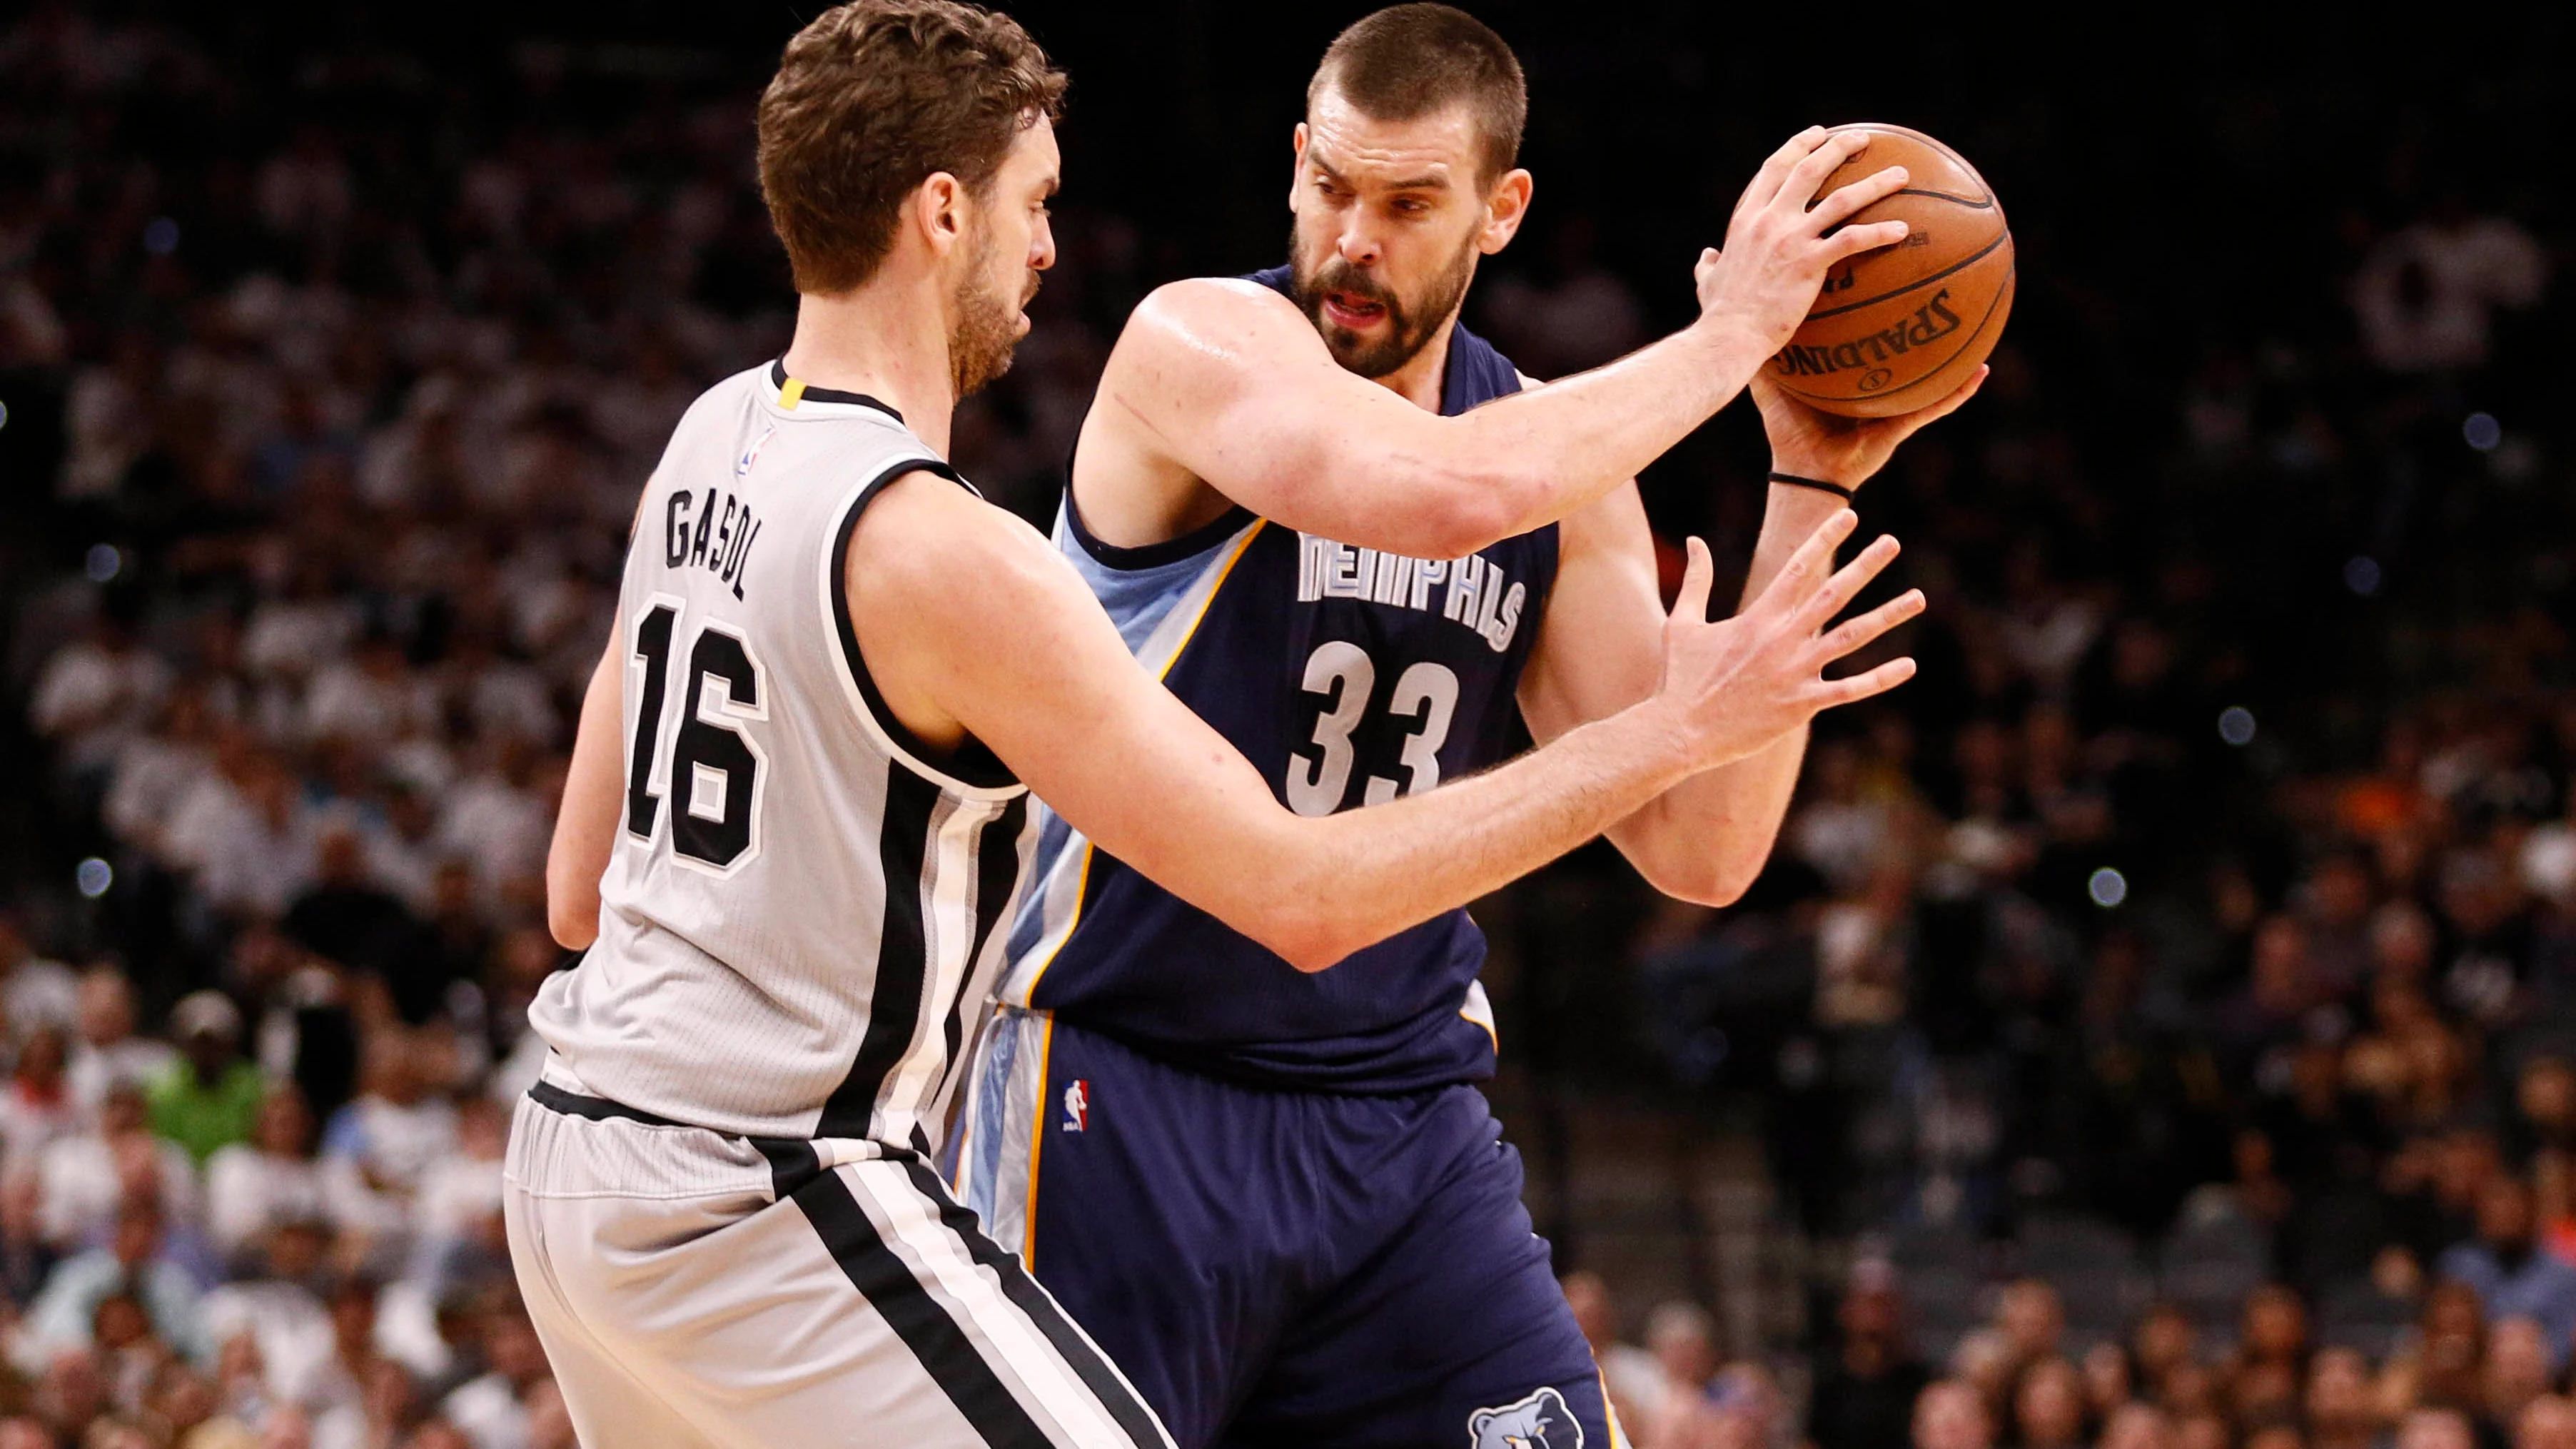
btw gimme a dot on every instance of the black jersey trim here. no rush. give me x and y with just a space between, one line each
903 956
596 1109
973 763
1071 1344
1153 555
779 379
945 1351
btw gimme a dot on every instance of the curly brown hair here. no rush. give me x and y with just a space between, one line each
873 98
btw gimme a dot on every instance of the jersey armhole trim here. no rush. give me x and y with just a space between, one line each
974 767
1152 555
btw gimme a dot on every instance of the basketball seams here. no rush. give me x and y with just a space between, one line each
1917 284
2002 298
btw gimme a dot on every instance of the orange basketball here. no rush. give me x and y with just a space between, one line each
1898 328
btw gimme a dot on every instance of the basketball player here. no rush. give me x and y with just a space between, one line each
1275 1196
835 676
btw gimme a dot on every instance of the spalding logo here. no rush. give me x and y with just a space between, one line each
1541 1421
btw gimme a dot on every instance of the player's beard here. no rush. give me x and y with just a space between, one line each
1410 324
987 327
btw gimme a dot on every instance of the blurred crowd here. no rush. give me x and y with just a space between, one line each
2160 1008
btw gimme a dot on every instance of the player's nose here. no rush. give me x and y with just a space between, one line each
1358 248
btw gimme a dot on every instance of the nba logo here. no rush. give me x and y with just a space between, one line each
1077 1106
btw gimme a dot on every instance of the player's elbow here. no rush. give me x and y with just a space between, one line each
1471 510
1309 939
1712 879
574 925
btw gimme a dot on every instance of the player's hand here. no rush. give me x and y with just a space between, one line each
1741 683
1778 247
1812 443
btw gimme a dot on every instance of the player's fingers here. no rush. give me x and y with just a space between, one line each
1812 558
1876 186
1851 241
1799 187
1852 635
1958 396
1908 424
1868 682
1775 169
1699 574
1846 584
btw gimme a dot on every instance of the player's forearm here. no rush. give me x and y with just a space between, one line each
1706 839
1530 459
586 819
1353 879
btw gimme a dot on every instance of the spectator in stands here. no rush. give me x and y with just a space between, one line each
2548 1422
37 1106
380 1147
2436 1428
2442 1364
136 1261
2517 1372
274 1178
211 1098
34 989
109 1050
1683 1339
1864 1395
2137 1426
85 1175
2033 1322
2339 1405
2509 1273
1952 1415
1629 1374
2048 1406
282 1317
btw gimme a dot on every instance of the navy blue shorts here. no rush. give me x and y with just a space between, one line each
1280 1268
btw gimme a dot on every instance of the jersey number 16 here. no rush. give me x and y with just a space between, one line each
715 769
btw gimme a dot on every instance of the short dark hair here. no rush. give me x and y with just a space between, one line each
873 98
1411 60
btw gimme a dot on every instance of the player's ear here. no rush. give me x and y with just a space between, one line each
1505 205
938 211
1296 162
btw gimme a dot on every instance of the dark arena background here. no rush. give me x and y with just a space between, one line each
2154 1029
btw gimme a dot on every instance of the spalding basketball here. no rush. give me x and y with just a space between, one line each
1900 327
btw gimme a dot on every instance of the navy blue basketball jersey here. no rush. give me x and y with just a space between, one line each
1346 676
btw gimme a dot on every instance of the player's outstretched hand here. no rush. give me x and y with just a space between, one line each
1741 683
1778 246
1812 443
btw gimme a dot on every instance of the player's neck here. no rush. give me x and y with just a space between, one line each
887 339
1421 378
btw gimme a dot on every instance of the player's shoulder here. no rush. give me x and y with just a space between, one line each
1207 309
923 529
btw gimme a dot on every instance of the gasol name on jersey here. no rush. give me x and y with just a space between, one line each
699 532
1473 591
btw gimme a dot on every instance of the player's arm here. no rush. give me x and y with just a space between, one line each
1706 839
1225 381
586 821
970 623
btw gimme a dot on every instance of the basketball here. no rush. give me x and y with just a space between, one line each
1897 328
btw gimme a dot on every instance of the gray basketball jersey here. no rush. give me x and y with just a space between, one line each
798 916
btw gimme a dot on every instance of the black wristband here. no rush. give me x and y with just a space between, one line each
1819 484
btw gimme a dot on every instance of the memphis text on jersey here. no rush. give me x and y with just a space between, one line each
1473 591
698 532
